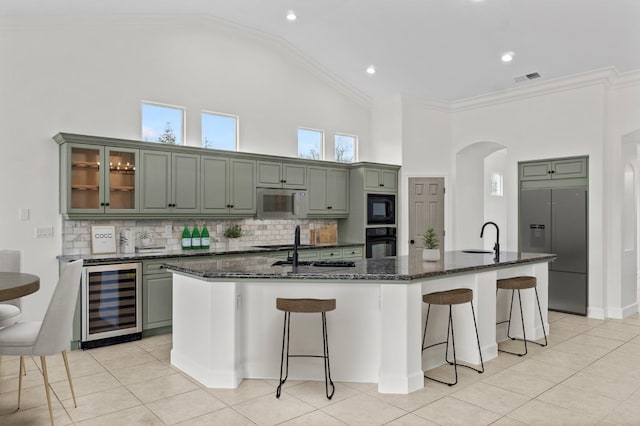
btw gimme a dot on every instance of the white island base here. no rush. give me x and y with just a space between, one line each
224 331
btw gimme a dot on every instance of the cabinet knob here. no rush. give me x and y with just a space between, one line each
330 254
102 204
412 241
382 184
106 204
330 207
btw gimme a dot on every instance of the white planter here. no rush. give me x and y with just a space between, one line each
430 255
234 244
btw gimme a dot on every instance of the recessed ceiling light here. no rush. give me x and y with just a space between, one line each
371 69
507 56
291 16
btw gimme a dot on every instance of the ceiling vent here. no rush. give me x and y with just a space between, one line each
530 76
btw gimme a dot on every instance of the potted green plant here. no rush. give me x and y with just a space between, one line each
145 238
233 232
430 252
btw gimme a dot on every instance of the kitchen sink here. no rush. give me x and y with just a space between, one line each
280 246
477 251
322 263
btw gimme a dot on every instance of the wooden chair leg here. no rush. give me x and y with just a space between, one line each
45 375
20 380
66 365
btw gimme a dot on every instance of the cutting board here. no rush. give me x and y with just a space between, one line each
328 234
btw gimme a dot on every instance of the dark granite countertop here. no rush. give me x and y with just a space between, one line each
399 268
97 259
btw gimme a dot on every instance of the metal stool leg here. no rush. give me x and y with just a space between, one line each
327 366
285 333
475 324
524 335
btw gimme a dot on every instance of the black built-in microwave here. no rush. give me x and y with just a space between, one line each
381 209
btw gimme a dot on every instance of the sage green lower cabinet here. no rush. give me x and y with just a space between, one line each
157 299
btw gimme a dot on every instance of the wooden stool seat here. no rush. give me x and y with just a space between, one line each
517 283
311 306
449 297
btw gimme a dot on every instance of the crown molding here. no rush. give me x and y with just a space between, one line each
627 79
186 21
432 104
605 76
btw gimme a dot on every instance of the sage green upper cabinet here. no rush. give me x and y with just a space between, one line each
565 168
228 186
99 179
380 180
170 182
281 175
328 191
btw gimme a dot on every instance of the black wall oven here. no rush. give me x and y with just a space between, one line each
380 242
381 209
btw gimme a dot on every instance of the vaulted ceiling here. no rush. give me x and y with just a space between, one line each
432 49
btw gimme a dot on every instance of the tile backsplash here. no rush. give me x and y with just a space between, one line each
76 238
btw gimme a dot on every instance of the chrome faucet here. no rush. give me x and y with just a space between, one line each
296 243
496 247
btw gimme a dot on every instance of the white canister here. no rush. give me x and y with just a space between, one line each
127 241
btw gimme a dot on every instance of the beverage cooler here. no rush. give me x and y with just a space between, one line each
111 300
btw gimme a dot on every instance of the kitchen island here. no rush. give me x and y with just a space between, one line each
226 326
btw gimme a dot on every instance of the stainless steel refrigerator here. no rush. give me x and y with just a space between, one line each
554 220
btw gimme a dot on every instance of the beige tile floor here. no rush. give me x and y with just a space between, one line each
588 375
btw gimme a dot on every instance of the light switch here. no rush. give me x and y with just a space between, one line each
44 232
23 214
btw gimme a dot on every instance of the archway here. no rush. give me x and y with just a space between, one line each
629 256
474 166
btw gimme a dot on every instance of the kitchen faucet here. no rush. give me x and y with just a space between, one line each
296 243
496 247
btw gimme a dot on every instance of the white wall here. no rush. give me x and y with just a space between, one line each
88 75
537 125
426 152
495 207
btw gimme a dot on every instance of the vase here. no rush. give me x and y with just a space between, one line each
430 255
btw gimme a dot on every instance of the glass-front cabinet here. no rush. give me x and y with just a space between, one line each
101 179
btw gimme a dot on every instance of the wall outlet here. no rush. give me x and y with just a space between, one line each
24 214
219 229
44 232
167 230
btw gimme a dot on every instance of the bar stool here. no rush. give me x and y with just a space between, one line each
520 283
321 306
451 297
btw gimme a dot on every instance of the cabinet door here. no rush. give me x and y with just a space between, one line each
317 190
389 180
186 183
269 174
294 176
535 171
243 186
121 180
372 179
85 179
338 191
157 301
155 182
569 168
215 185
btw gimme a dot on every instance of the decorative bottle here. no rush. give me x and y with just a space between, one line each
205 241
186 239
195 238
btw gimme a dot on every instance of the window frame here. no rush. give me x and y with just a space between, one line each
236 118
322 142
165 105
355 147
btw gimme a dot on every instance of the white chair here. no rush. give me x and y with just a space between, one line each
10 261
10 312
49 336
